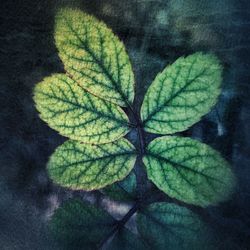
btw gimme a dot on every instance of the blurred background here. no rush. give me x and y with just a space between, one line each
155 33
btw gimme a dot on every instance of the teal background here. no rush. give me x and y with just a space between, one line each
155 34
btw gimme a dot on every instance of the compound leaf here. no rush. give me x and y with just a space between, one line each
126 240
124 190
181 94
94 56
78 225
188 170
77 114
89 167
168 226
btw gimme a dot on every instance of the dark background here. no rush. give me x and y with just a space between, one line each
155 33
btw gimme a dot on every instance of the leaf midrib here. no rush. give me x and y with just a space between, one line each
99 62
95 159
85 108
172 97
176 164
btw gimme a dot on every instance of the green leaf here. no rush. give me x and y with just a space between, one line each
126 240
181 94
77 114
188 170
94 56
88 167
78 225
168 226
124 190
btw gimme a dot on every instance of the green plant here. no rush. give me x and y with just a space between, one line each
89 104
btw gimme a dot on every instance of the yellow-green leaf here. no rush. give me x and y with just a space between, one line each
94 56
84 166
188 170
181 94
77 114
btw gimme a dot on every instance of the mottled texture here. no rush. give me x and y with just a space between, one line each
84 166
181 94
94 56
155 34
77 114
188 170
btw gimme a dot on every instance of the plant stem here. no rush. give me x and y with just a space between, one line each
140 177
120 224
141 139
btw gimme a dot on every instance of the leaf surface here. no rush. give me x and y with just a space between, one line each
181 94
89 167
168 226
126 240
94 56
188 170
77 114
124 190
78 225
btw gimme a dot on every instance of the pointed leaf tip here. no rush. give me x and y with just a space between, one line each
181 94
94 56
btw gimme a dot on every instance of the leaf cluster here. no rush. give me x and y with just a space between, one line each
90 103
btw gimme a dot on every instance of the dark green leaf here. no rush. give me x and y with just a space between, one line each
166 226
126 240
78 225
124 190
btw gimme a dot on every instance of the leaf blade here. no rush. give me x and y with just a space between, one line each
124 239
188 170
181 94
94 56
78 224
77 114
168 226
89 167
124 190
